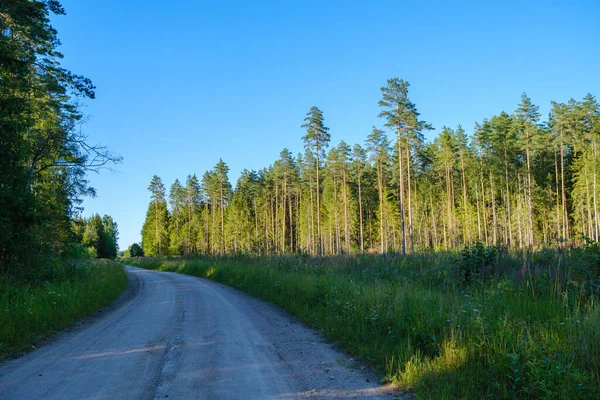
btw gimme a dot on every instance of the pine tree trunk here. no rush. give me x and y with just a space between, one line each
290 210
283 214
312 218
346 221
507 196
337 238
467 232
158 246
276 220
558 218
595 188
589 207
273 209
222 222
214 224
448 211
495 220
360 215
505 225
479 237
381 220
529 196
445 230
319 241
519 214
401 196
483 210
206 230
189 241
435 236
255 222
563 194
410 226
267 208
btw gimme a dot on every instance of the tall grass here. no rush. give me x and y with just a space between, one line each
528 328
32 311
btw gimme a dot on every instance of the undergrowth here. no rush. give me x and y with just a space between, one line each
484 323
32 311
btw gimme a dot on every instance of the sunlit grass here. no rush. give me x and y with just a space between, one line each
532 330
30 312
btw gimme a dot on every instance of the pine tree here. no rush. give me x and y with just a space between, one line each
528 116
401 114
224 192
316 140
156 227
177 238
193 203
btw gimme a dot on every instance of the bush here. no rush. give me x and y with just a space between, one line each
477 263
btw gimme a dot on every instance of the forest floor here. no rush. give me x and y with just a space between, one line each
184 337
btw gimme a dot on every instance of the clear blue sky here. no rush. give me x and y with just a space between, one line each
184 83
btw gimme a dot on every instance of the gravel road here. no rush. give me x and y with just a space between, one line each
181 337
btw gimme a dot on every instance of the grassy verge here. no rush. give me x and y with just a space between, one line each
30 312
514 326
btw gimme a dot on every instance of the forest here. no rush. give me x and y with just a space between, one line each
516 181
44 153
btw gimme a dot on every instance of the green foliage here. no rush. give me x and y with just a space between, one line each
477 263
92 252
590 252
54 299
155 232
135 250
43 154
588 267
98 235
317 134
415 320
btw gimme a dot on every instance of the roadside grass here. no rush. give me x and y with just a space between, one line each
30 312
480 324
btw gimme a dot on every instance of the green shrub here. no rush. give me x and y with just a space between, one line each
477 263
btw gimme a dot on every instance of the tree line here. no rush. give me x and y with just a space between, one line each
44 155
98 235
514 181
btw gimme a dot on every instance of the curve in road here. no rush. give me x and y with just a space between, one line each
182 337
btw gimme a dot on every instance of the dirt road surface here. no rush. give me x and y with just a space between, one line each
181 337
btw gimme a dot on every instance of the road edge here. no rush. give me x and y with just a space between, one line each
133 286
